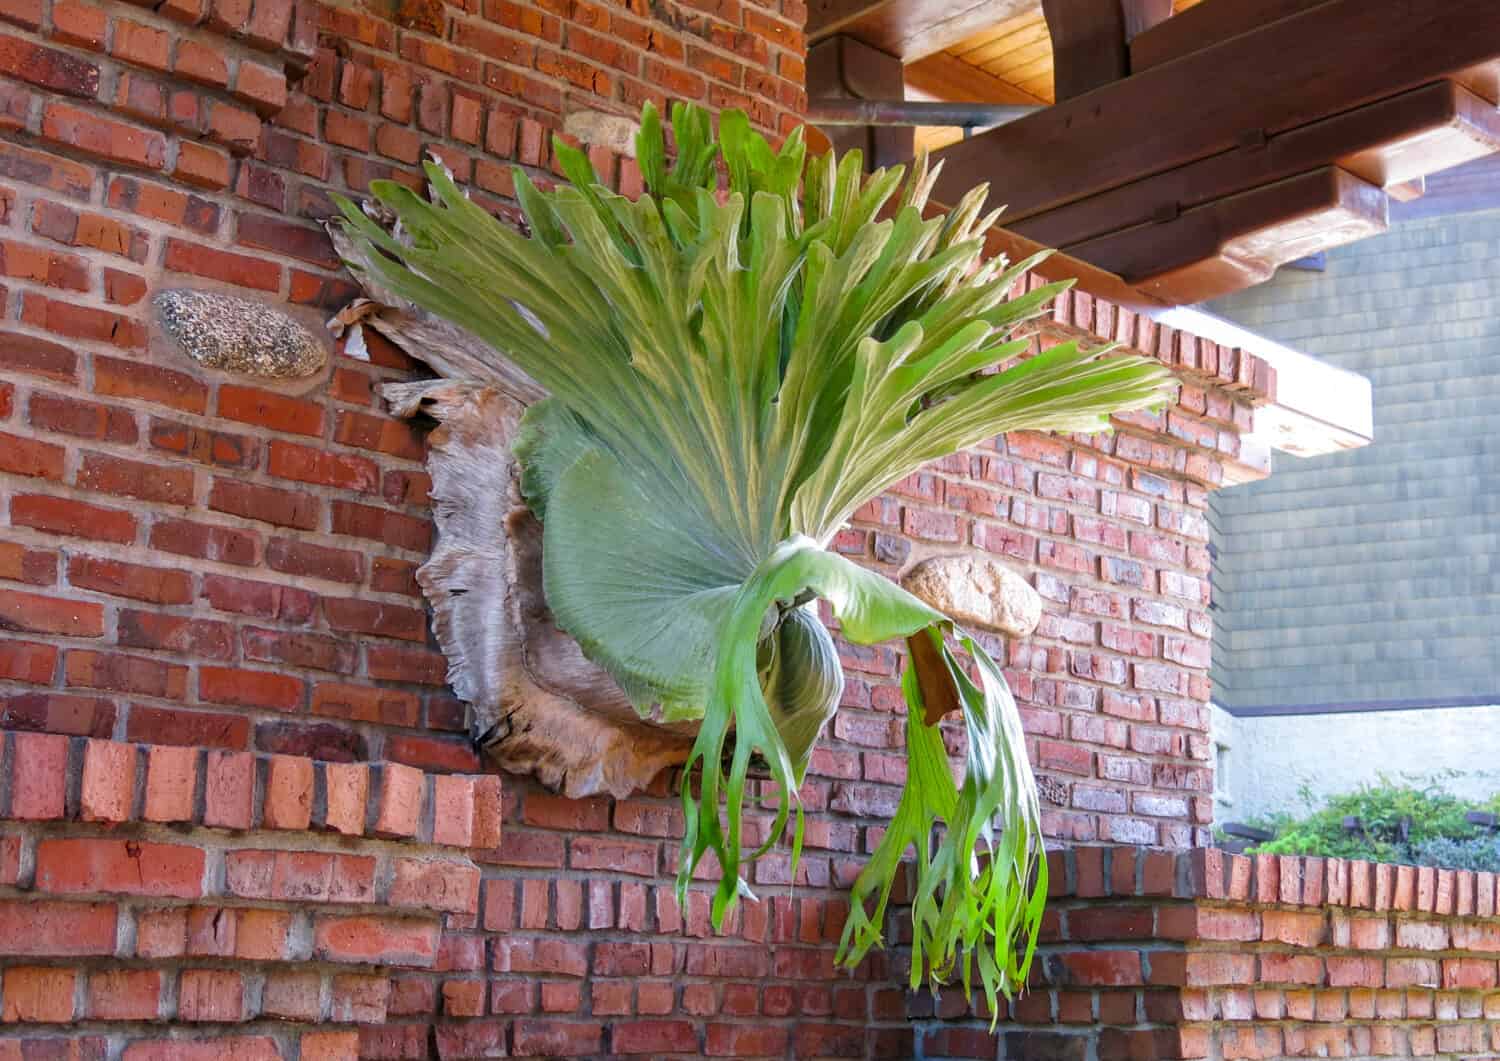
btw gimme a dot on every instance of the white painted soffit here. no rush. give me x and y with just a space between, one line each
1318 408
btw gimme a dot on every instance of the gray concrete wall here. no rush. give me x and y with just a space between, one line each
1372 575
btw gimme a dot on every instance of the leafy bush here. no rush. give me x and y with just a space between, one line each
1413 821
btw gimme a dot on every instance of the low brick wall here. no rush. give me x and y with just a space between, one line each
1156 954
142 884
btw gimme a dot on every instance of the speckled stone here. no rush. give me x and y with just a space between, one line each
238 334
978 591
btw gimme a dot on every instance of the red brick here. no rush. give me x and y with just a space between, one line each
555 1038
263 689
382 525
156 725
380 433
171 775
397 663
261 86
48 615
207 167
48 68
136 581
196 259
125 674
210 995
229 790
141 45
453 810
376 940
38 995
148 482
204 541
30 457
37 567
262 935
399 809
56 929
1421 935
108 787
127 867
124 994
268 409
315 561
201 63
103 138
359 703
131 379
39 767
376 618
452 887
292 996
289 461
27 661
347 786
204 638
439 754
43 266
203 445
285 508
289 793
80 24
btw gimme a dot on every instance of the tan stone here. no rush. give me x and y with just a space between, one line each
977 591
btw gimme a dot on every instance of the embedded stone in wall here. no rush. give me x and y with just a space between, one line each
978 591
238 334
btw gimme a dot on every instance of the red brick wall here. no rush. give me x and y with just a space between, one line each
190 560
1204 955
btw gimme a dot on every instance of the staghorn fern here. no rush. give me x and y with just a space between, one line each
731 376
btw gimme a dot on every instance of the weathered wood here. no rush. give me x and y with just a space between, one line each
1207 102
1206 24
909 29
539 707
1421 131
1240 240
1088 45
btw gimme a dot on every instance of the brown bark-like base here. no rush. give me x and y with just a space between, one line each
539 707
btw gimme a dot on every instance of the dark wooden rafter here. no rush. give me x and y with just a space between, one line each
1091 40
1388 144
1200 173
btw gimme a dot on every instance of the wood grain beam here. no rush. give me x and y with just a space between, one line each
1387 143
1255 85
944 77
909 29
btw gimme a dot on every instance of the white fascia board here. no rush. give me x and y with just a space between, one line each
1318 408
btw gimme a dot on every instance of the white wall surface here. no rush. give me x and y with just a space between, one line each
1263 762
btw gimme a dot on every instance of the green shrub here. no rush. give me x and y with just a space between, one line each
1413 821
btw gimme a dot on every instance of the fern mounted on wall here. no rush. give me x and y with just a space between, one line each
735 362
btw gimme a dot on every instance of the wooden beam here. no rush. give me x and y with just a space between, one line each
1088 45
1204 24
1387 143
1210 101
909 29
944 77
1239 241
